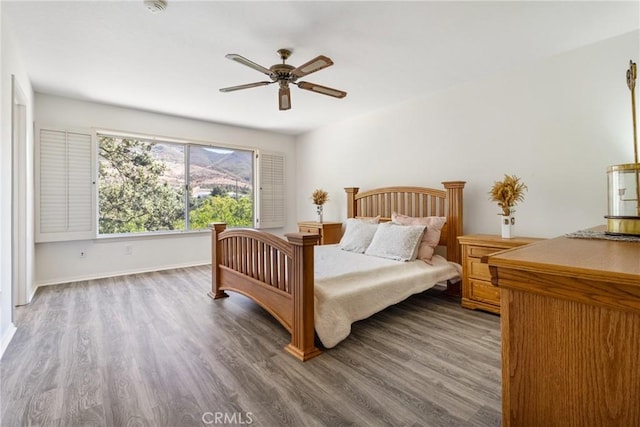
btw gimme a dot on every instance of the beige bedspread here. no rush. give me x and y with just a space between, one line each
351 287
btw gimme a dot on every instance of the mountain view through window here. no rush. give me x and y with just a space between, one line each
150 186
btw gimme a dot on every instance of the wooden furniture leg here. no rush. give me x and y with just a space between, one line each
216 258
302 345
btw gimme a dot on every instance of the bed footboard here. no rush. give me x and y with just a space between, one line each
276 274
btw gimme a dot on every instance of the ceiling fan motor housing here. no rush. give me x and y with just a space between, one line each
283 72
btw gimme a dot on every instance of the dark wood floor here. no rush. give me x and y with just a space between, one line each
154 350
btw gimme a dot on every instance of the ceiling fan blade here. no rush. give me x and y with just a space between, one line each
284 98
247 86
244 61
322 89
312 66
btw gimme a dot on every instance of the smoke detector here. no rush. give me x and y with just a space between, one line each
155 6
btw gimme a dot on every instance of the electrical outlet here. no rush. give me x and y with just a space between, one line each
128 249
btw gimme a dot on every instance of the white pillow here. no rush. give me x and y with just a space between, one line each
399 242
358 235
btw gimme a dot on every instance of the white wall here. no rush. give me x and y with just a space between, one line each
11 64
61 262
557 124
5 260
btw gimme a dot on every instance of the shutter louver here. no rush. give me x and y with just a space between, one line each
271 213
65 186
80 183
53 182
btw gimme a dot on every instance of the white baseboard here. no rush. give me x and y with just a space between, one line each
72 279
6 338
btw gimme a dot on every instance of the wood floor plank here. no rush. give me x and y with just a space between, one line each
154 350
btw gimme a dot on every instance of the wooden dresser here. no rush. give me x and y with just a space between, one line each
570 333
330 232
477 290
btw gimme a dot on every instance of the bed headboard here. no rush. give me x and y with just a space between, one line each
417 202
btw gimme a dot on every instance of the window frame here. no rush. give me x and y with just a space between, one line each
261 220
187 143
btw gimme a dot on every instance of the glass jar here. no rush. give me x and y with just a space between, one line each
623 191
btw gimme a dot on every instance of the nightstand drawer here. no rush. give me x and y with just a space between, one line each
312 230
485 292
478 269
480 251
329 232
477 290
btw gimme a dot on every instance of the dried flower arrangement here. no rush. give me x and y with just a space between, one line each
320 197
507 193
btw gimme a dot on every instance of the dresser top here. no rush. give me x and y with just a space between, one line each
605 260
495 240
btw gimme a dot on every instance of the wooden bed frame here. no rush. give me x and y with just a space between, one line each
278 274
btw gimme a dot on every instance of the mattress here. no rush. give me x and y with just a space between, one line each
351 287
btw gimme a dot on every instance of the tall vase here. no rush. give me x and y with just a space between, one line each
507 222
319 212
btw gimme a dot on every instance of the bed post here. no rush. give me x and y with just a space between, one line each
352 211
216 258
302 345
454 229
454 219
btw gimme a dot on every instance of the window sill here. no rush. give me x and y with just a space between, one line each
151 235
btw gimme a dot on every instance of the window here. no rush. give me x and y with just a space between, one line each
149 185
97 184
221 183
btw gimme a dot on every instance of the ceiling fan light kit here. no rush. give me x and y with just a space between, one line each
284 98
284 74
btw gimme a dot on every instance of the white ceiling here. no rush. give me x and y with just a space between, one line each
117 52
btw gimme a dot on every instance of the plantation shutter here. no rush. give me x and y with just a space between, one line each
271 195
64 186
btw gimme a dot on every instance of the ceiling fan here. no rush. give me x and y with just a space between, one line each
285 74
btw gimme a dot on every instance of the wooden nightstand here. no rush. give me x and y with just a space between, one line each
330 232
477 290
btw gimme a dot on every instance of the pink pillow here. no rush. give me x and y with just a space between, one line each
431 236
370 219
